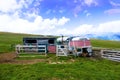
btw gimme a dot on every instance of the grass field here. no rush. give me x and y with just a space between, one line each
105 44
57 68
66 69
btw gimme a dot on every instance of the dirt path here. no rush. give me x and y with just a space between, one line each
9 58
6 57
24 62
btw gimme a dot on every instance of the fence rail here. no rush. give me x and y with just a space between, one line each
111 55
31 48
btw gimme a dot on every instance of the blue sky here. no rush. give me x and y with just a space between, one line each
55 17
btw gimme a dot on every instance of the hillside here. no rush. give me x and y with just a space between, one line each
105 44
9 40
55 68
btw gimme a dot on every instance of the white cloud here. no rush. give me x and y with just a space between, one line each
81 6
63 31
115 9
51 26
39 25
87 13
112 26
14 23
90 2
63 20
112 11
77 9
108 27
8 5
83 29
114 4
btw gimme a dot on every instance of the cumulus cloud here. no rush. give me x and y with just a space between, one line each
112 26
63 31
83 29
15 23
108 27
8 5
39 25
25 26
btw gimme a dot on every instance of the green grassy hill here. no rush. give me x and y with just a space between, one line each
9 40
57 68
105 44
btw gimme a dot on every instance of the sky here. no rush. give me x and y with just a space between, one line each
56 17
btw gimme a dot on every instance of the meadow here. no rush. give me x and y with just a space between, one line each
80 69
57 68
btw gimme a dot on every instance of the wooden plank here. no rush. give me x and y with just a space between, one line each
111 55
30 48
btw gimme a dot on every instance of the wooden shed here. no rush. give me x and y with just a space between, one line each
49 43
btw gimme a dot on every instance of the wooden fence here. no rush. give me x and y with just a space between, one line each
111 55
31 48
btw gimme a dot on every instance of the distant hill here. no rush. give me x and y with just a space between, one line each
105 36
9 40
